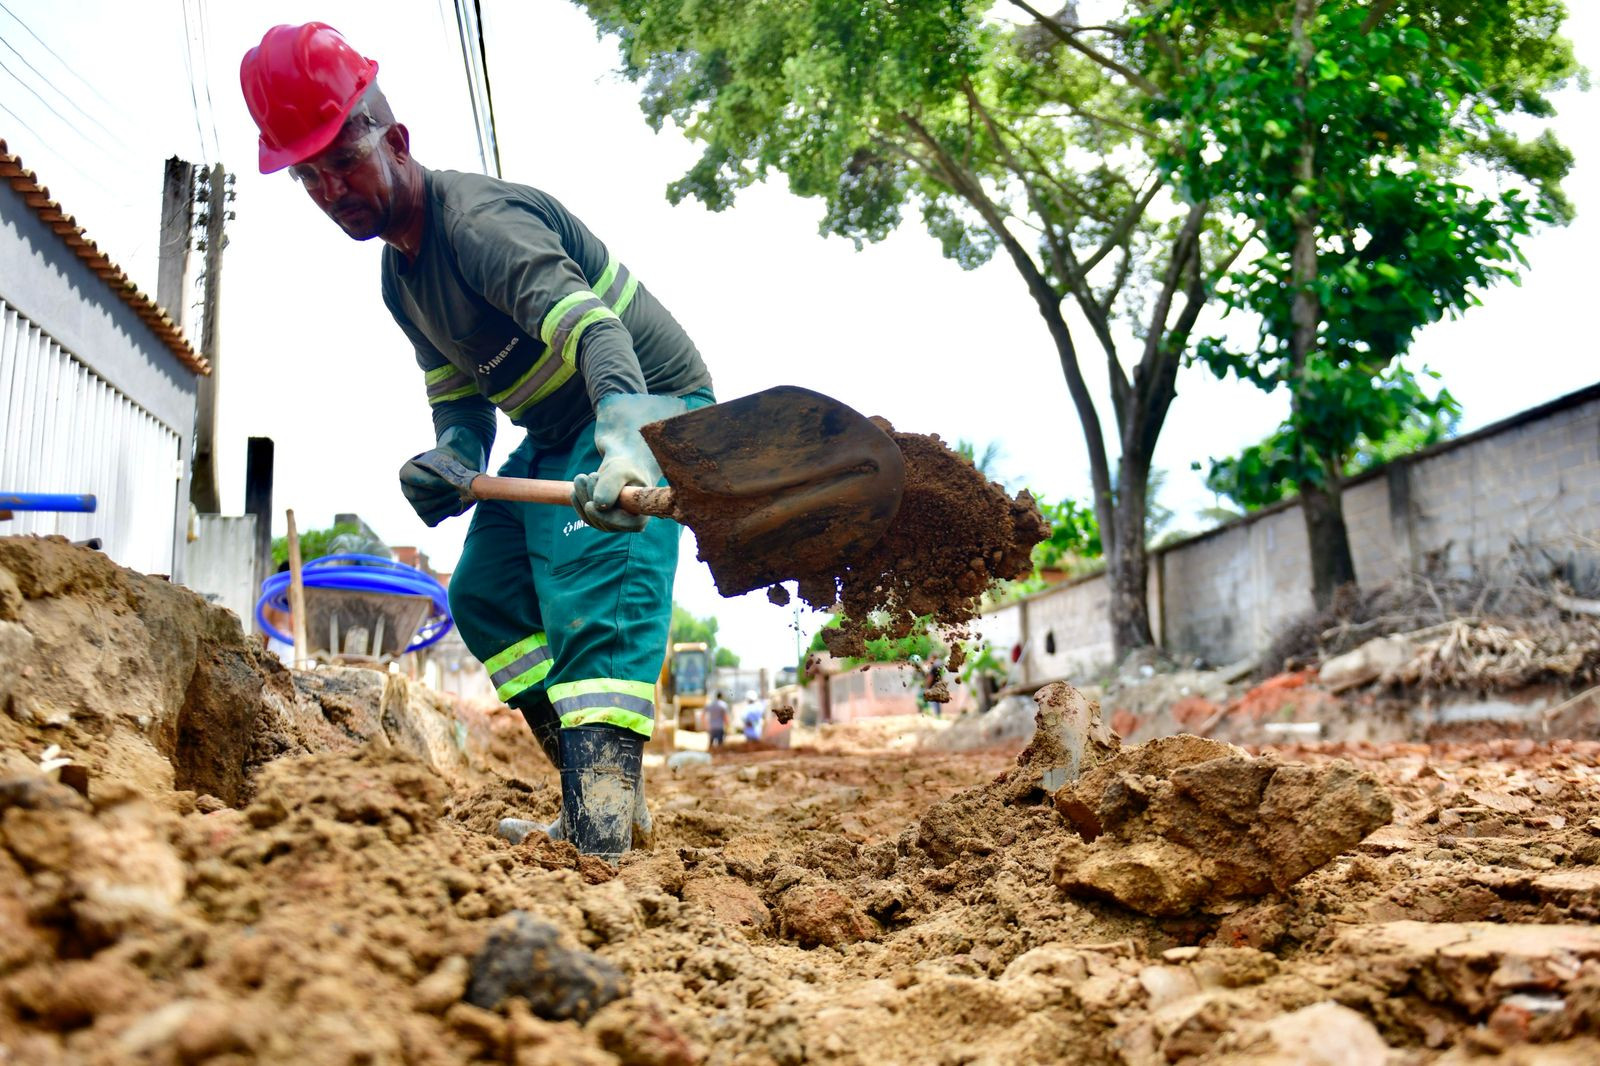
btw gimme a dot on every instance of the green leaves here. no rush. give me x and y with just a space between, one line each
1359 158
1074 534
1346 424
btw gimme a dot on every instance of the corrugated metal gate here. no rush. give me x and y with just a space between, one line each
63 428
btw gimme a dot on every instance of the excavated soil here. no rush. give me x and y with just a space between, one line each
955 535
1402 903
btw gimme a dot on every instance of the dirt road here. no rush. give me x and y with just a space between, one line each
311 879
331 920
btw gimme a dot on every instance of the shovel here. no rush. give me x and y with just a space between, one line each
781 484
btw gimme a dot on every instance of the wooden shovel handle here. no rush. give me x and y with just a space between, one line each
634 500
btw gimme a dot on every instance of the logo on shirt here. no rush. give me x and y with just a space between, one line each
500 357
570 528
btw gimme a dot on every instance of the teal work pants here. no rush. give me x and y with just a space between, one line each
570 621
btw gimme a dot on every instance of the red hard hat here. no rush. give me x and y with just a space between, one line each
300 83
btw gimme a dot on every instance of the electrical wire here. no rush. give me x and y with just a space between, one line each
76 106
44 141
73 126
354 572
194 97
65 65
205 61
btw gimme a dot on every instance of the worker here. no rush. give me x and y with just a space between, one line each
752 716
717 720
510 302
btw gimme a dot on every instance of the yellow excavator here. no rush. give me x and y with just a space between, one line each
681 693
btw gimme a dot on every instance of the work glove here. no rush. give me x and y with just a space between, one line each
625 459
431 496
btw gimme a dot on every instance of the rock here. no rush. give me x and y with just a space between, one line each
733 901
1369 662
1182 823
817 914
1477 965
1069 739
680 761
523 957
1324 1034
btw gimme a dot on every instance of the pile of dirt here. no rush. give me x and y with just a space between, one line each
143 683
921 908
955 535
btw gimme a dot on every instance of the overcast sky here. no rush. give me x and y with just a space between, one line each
311 358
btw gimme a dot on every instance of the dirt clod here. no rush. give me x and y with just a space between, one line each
525 958
1182 824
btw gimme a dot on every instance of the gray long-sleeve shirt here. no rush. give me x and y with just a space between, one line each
513 303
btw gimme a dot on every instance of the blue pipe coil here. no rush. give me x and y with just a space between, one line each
354 572
48 501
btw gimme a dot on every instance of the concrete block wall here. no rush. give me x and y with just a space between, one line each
1536 483
1533 479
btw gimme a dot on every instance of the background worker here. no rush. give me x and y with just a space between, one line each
717 720
510 302
753 716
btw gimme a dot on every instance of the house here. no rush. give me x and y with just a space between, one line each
97 386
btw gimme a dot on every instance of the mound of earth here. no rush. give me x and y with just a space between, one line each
351 904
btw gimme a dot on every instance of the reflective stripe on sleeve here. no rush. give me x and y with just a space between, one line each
616 286
545 376
567 320
446 383
608 701
519 667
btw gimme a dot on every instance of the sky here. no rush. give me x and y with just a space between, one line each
310 357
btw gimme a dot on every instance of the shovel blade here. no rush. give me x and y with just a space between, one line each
780 484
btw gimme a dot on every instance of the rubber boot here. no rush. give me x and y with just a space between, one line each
601 766
546 726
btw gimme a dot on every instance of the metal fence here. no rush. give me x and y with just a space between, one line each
63 428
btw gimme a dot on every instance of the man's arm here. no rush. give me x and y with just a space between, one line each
516 261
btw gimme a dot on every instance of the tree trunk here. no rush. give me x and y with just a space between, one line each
1331 564
1126 572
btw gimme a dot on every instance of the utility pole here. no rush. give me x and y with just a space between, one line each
216 190
177 219
258 500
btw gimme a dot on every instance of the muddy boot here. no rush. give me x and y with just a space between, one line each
600 774
644 826
546 727
516 830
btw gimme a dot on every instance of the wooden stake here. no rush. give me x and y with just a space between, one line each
297 597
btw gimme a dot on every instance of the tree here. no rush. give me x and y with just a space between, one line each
685 628
1340 133
919 644
1394 418
314 543
1029 141
986 462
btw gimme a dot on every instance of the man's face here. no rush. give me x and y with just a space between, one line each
353 180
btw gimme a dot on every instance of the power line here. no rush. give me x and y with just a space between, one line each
77 106
205 60
48 107
65 65
488 94
75 168
194 98
474 59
